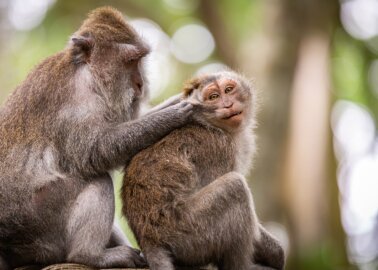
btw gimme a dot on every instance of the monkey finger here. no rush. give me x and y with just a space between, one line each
185 107
201 108
183 104
194 102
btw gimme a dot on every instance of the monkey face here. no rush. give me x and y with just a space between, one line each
224 94
120 68
227 94
112 56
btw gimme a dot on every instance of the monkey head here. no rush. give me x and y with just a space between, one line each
108 55
228 96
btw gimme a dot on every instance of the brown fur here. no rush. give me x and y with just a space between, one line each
107 25
186 199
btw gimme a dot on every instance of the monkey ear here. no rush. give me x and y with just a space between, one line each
81 48
190 86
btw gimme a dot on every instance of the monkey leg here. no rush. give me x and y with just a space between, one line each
268 251
117 238
89 229
222 224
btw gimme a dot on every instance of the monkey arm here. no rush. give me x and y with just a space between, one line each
169 102
230 187
228 198
269 251
92 149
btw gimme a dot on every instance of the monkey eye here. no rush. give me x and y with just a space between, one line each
228 89
213 96
132 61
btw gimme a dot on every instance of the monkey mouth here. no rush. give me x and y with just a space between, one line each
233 115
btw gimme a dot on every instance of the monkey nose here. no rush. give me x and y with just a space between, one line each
228 104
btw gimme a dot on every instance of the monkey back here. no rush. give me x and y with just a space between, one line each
160 178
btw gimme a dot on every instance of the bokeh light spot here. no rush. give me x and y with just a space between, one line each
159 56
211 68
360 18
353 128
363 187
192 43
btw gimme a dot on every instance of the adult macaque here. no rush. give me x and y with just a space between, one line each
186 198
62 130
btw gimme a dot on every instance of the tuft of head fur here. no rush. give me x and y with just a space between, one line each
106 24
191 85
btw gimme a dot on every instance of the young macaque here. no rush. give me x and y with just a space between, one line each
186 198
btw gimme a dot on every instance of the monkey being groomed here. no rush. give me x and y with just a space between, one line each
186 198
74 119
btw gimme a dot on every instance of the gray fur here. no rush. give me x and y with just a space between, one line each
72 120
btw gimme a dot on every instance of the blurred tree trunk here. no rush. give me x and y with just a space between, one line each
272 64
292 179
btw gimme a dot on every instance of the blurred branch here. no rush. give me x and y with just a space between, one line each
294 52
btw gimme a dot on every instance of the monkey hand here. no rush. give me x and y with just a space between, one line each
180 111
201 108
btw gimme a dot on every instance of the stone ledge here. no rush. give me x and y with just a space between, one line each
72 266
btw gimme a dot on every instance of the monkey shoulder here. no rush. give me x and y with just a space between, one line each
196 140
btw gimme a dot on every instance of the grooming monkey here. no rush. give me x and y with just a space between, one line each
63 129
186 198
